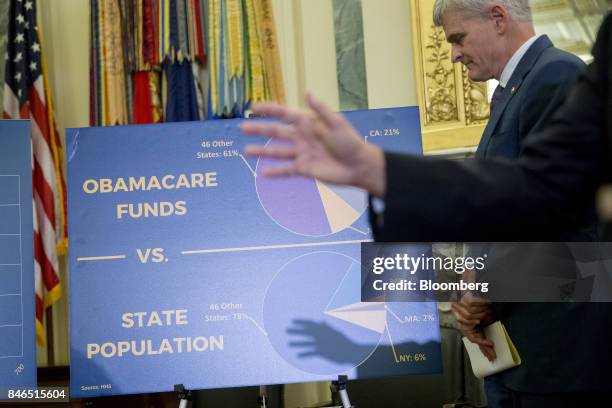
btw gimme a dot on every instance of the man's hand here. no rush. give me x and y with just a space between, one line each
473 314
472 310
476 335
322 144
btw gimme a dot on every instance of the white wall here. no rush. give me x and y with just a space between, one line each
388 52
307 47
65 25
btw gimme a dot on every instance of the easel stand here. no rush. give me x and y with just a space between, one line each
339 392
262 400
183 394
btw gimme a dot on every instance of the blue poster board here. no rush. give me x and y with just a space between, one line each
17 320
189 266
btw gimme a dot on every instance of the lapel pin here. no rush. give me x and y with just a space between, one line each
513 89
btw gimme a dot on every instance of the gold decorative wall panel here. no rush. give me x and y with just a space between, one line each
476 101
440 96
454 109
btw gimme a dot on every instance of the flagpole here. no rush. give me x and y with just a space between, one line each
50 340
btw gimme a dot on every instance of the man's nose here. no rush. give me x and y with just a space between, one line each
456 55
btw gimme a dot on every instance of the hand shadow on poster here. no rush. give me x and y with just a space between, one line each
319 340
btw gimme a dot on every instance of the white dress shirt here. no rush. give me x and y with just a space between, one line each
514 61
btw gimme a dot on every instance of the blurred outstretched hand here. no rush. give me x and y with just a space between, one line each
318 143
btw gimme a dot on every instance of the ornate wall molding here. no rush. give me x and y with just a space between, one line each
454 109
476 101
440 87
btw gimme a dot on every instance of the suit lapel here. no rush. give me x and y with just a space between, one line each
522 69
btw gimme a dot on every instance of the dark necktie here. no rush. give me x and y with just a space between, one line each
496 96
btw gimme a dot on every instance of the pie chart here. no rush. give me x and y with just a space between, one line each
307 206
314 316
315 320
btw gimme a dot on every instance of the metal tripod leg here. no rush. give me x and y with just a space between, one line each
339 388
262 400
183 394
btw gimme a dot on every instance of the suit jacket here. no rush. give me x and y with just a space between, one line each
535 90
542 196
541 332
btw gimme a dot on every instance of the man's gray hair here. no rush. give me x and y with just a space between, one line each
519 9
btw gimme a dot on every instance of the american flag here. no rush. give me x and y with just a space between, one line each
26 97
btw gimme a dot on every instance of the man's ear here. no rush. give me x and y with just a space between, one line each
499 16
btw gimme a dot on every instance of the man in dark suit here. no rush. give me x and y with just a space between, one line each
497 40
544 194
